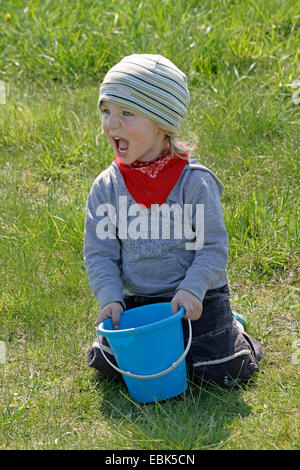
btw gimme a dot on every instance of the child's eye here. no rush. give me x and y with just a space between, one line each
127 113
104 110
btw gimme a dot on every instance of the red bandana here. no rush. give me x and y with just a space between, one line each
151 182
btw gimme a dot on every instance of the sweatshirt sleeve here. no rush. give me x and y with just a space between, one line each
209 264
102 255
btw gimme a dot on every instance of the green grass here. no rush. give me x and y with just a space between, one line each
241 59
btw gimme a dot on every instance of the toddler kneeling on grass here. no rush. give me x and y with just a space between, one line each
154 228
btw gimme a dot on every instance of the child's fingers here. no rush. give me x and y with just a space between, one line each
189 312
175 305
101 317
112 310
193 312
191 304
115 316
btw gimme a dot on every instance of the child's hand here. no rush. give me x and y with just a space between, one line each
113 310
193 306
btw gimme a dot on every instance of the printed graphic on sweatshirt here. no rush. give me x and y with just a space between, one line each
143 249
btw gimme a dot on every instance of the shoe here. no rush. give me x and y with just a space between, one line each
241 322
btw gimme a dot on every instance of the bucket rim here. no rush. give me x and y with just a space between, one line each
141 329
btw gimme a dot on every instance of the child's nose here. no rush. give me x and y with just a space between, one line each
113 122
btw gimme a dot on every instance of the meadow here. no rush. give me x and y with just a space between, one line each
242 64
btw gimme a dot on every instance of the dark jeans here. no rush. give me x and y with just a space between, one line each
220 352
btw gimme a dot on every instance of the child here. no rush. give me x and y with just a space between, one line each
154 228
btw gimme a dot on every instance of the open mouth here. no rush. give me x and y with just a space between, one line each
121 145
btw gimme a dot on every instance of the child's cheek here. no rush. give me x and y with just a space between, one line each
105 130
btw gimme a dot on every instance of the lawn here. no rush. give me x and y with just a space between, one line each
242 64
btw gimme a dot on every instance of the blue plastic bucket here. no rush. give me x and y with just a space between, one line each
149 350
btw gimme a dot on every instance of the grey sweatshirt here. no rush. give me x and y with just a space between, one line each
182 244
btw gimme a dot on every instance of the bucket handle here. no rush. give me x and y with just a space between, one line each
153 376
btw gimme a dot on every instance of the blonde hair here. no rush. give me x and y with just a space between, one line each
179 148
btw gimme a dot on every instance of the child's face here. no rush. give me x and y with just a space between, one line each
132 135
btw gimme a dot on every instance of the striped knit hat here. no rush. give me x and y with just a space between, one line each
151 85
